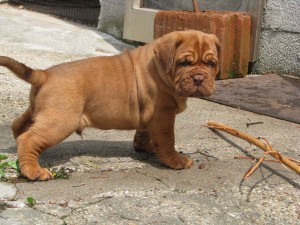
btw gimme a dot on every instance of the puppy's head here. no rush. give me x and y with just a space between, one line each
190 59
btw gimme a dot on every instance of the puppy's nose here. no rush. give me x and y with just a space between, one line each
198 79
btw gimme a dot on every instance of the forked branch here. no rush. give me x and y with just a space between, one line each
265 146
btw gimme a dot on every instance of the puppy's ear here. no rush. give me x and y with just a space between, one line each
165 48
218 46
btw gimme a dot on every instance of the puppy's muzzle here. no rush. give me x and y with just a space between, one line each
198 79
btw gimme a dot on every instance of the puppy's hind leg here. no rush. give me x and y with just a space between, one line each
142 142
21 123
45 132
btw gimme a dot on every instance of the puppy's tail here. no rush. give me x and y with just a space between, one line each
35 77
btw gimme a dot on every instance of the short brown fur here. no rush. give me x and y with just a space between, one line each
141 89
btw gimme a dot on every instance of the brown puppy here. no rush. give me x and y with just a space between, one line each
141 89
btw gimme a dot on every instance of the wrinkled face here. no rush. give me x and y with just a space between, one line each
191 61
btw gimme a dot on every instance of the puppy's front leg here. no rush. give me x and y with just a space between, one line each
162 135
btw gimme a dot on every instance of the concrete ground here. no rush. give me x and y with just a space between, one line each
110 183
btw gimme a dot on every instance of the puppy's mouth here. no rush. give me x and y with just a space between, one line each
196 85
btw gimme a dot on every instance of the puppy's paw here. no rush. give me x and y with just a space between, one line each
178 162
36 173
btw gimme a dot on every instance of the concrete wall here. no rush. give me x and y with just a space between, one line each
111 19
279 46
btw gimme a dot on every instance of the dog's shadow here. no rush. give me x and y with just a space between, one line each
62 153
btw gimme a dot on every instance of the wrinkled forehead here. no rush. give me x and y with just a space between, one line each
199 43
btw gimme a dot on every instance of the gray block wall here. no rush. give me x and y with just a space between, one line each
279 45
111 19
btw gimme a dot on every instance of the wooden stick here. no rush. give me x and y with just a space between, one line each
196 6
264 146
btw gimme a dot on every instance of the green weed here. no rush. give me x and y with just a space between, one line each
60 174
232 74
30 201
2 157
14 164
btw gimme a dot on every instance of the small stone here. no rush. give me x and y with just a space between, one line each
63 204
201 166
15 204
8 191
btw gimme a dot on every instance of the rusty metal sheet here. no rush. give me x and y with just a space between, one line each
271 95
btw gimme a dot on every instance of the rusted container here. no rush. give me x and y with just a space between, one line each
232 29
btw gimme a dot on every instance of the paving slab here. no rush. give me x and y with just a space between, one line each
27 216
110 183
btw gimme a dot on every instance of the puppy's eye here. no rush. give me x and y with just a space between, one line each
211 63
184 62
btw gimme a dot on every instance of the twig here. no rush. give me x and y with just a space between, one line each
254 123
207 155
253 168
254 158
127 218
266 147
79 185
244 157
101 176
277 155
294 160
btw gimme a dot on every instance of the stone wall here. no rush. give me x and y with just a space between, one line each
279 47
111 19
